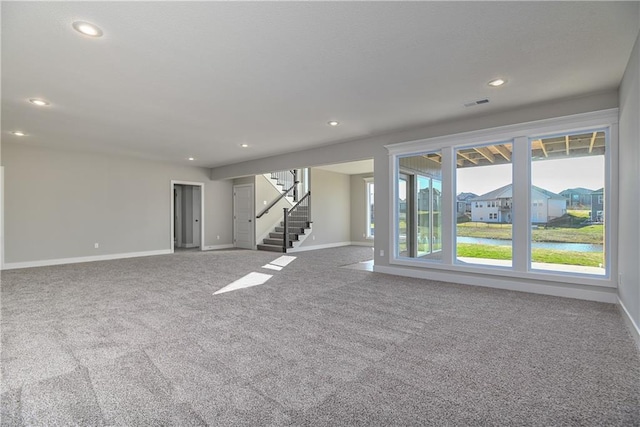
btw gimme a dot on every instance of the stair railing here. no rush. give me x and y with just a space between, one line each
300 212
286 179
285 230
277 199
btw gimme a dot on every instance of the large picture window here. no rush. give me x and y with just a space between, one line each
567 210
526 201
484 198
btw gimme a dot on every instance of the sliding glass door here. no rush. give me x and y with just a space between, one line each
419 201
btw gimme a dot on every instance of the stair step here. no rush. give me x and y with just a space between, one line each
298 222
277 242
302 224
270 248
292 230
276 235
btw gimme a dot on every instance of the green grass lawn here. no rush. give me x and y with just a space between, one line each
579 213
571 228
590 259
592 234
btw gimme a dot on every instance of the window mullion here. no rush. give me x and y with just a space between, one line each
521 231
448 202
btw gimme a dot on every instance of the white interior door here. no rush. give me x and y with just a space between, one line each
243 216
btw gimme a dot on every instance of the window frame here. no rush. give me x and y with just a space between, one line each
519 135
368 208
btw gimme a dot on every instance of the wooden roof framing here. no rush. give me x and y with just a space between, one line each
577 145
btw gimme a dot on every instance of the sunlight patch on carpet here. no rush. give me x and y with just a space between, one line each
283 261
251 279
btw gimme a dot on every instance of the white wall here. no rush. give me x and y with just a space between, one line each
59 203
629 189
330 208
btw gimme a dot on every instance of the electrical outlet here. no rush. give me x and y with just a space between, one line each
381 252
218 237
620 280
264 202
96 245
313 237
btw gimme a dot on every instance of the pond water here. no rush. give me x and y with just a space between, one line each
578 247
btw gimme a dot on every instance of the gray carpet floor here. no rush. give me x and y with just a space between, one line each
144 341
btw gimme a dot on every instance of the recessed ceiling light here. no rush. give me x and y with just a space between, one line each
497 82
18 133
191 158
87 29
333 123
39 102
244 145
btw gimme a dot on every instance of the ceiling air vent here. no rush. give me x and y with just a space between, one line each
478 102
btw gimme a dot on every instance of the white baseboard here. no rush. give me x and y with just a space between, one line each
328 245
511 284
315 247
217 247
368 244
60 261
631 324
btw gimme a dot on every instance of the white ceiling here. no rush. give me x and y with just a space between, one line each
169 80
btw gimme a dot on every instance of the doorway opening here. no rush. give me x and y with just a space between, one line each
187 215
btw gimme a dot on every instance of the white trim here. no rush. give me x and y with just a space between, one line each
510 284
612 182
196 184
313 248
367 208
631 324
217 247
366 244
2 218
60 261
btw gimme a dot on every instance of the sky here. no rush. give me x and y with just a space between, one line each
553 175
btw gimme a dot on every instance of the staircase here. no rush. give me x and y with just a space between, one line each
297 228
297 222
